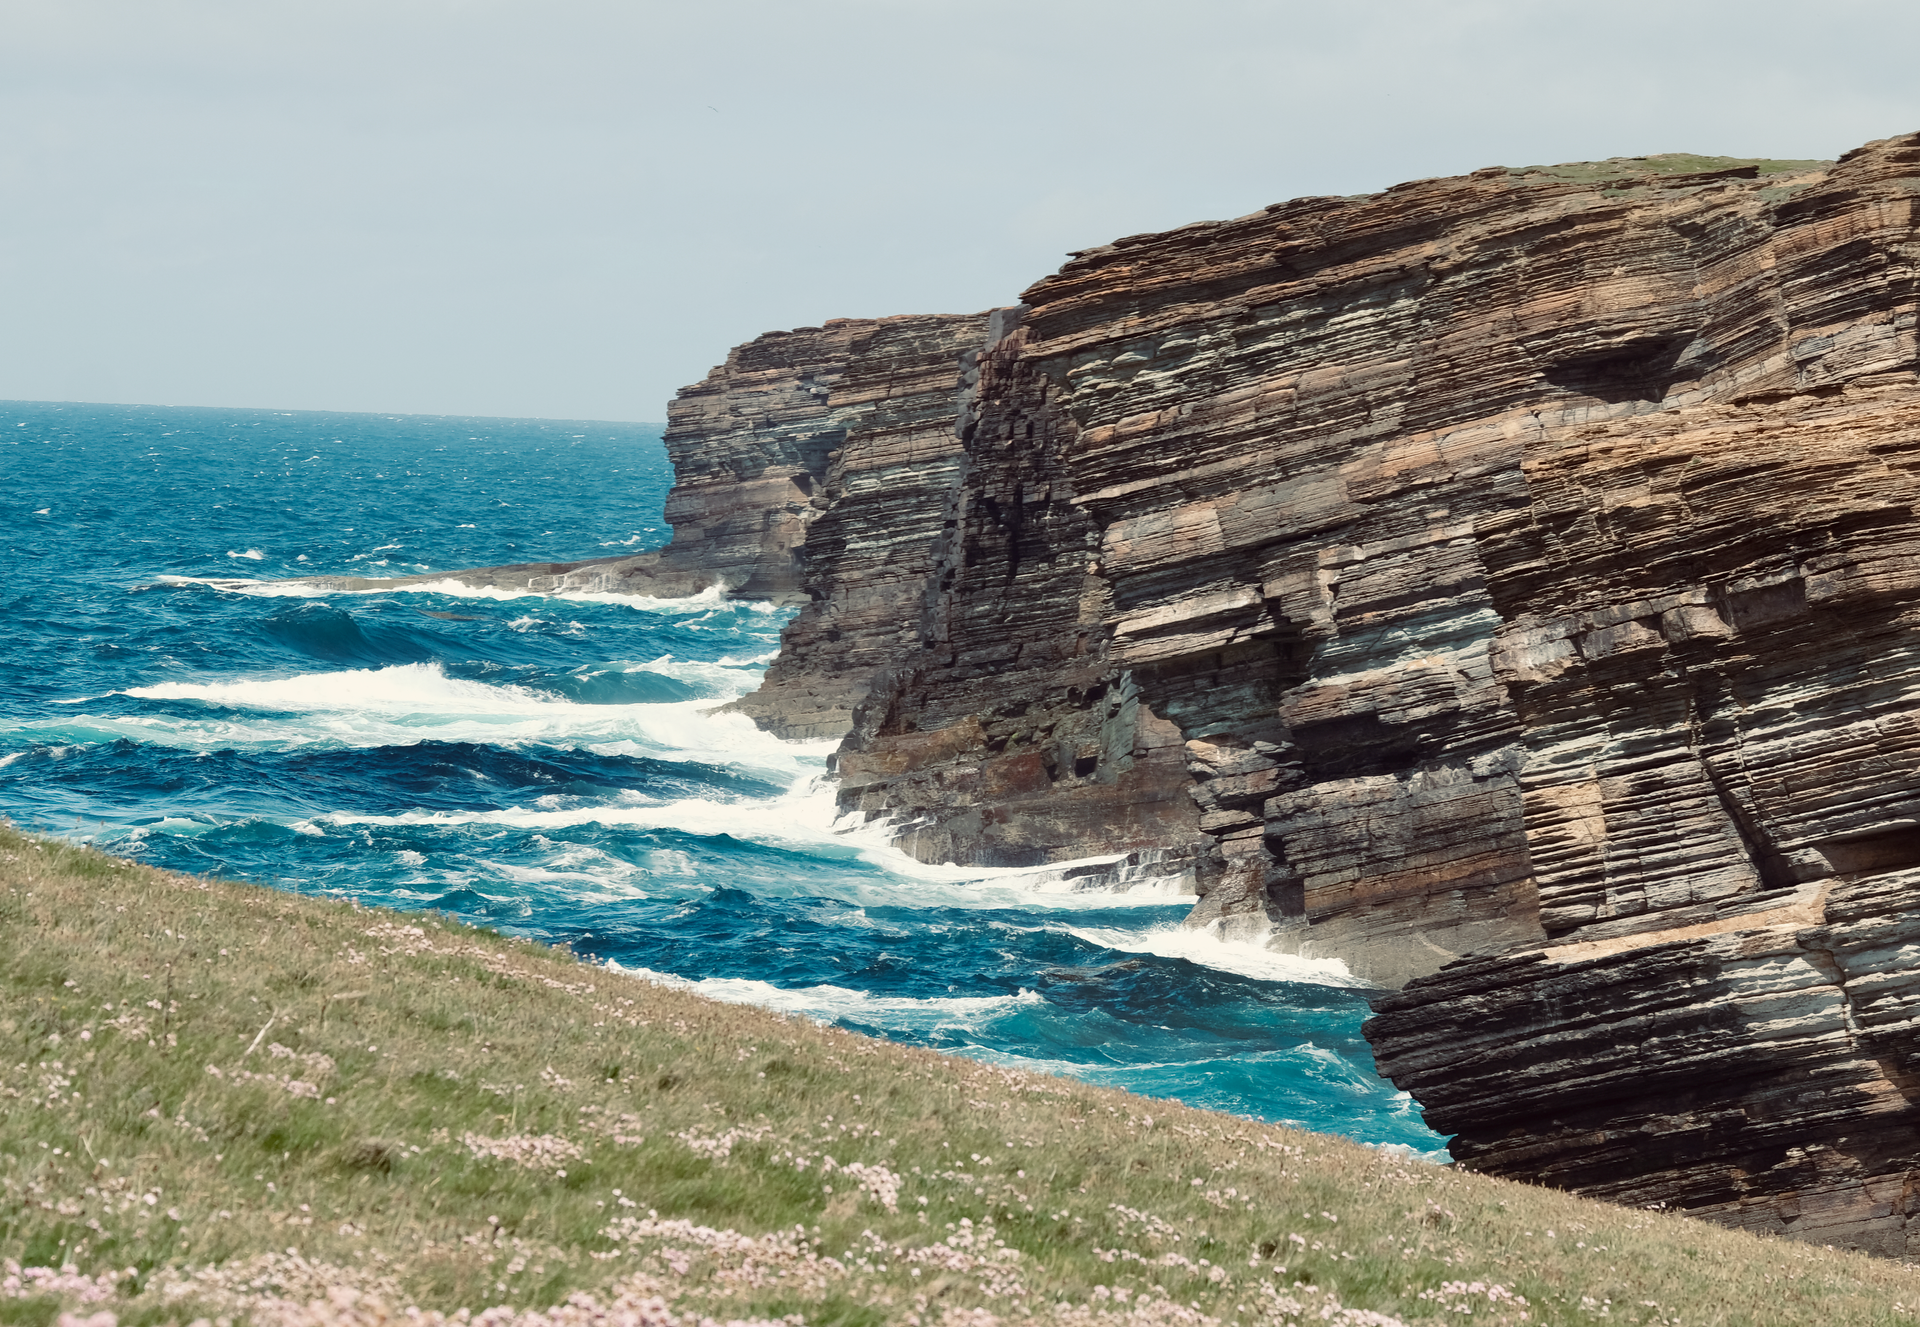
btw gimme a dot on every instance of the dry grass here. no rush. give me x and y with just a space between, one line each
225 1102
1666 163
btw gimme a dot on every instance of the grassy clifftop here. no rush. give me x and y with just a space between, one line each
227 1103
1667 163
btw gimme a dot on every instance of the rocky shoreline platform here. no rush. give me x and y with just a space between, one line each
1506 584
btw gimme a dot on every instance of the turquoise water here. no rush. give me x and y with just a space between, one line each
548 765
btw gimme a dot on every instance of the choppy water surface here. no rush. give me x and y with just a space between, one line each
549 765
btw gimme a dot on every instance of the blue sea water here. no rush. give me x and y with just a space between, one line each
549 766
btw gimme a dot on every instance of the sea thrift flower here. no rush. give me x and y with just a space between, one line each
532 1151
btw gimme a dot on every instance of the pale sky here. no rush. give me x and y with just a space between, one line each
569 208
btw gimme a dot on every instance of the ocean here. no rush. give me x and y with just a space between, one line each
550 766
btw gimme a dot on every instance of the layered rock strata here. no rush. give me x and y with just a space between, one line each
884 490
1006 737
1760 1070
1249 475
1506 584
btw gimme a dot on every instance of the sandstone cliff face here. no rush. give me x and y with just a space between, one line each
1761 1070
884 487
1006 738
1320 486
750 446
1516 572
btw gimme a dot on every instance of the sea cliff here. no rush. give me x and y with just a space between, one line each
1505 584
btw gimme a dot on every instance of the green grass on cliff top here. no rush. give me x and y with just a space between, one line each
223 1103
1664 163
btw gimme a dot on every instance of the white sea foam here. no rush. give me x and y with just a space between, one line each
1438 1156
400 688
1202 945
177 826
896 1013
258 589
1105 878
720 678
802 820
711 597
252 555
585 877
408 703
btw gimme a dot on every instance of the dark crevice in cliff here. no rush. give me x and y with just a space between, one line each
1641 370
1716 742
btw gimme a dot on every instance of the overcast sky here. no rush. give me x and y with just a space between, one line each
569 208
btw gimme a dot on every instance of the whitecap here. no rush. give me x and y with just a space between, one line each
408 703
827 1003
251 555
258 589
705 601
1407 1152
712 596
594 876
405 688
802 820
724 678
1205 946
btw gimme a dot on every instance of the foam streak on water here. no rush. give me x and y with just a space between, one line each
553 765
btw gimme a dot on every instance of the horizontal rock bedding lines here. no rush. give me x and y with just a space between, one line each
868 548
1311 507
1513 565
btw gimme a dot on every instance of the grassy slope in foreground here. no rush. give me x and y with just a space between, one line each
227 1102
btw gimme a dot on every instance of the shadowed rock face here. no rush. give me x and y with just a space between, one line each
1507 584
1759 1070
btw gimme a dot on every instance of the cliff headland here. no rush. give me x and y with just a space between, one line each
1506 584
